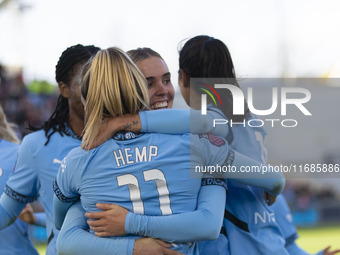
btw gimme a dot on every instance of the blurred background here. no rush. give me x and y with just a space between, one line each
267 39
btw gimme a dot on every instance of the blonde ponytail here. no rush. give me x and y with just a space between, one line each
112 86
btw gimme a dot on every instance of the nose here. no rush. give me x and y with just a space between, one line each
161 89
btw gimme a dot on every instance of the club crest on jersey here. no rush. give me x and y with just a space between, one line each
215 140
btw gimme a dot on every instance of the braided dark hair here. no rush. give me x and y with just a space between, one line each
65 68
206 57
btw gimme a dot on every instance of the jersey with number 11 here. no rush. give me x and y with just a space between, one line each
149 174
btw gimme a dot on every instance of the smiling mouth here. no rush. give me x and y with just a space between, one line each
159 105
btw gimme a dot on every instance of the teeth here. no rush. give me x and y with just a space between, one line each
159 105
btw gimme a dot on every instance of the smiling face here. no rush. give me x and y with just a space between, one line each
161 90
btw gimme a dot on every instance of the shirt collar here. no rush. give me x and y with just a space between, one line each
122 136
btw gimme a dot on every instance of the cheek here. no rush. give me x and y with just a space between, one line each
151 94
171 92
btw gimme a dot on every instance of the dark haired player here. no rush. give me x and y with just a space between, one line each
41 152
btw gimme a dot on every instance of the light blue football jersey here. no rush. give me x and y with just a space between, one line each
147 174
14 239
250 223
284 218
36 168
272 227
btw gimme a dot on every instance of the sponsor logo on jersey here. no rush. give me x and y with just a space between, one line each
263 217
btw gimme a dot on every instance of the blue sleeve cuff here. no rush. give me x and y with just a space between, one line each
137 224
127 223
9 210
41 219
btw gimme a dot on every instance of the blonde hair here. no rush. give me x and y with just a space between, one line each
6 129
112 86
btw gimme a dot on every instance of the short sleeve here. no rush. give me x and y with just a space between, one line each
64 186
23 185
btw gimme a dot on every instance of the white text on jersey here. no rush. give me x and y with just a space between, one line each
265 217
146 153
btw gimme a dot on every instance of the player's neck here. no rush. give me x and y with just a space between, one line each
76 124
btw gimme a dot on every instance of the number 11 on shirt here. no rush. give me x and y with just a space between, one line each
135 197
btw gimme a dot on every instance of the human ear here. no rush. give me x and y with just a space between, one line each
64 90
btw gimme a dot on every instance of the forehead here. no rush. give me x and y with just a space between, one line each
153 67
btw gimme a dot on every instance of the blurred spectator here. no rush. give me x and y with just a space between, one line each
310 205
21 105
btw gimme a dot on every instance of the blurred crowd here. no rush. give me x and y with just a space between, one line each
312 205
21 106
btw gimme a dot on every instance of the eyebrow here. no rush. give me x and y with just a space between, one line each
152 77
166 74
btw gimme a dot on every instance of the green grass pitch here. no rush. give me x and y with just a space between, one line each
316 239
311 239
